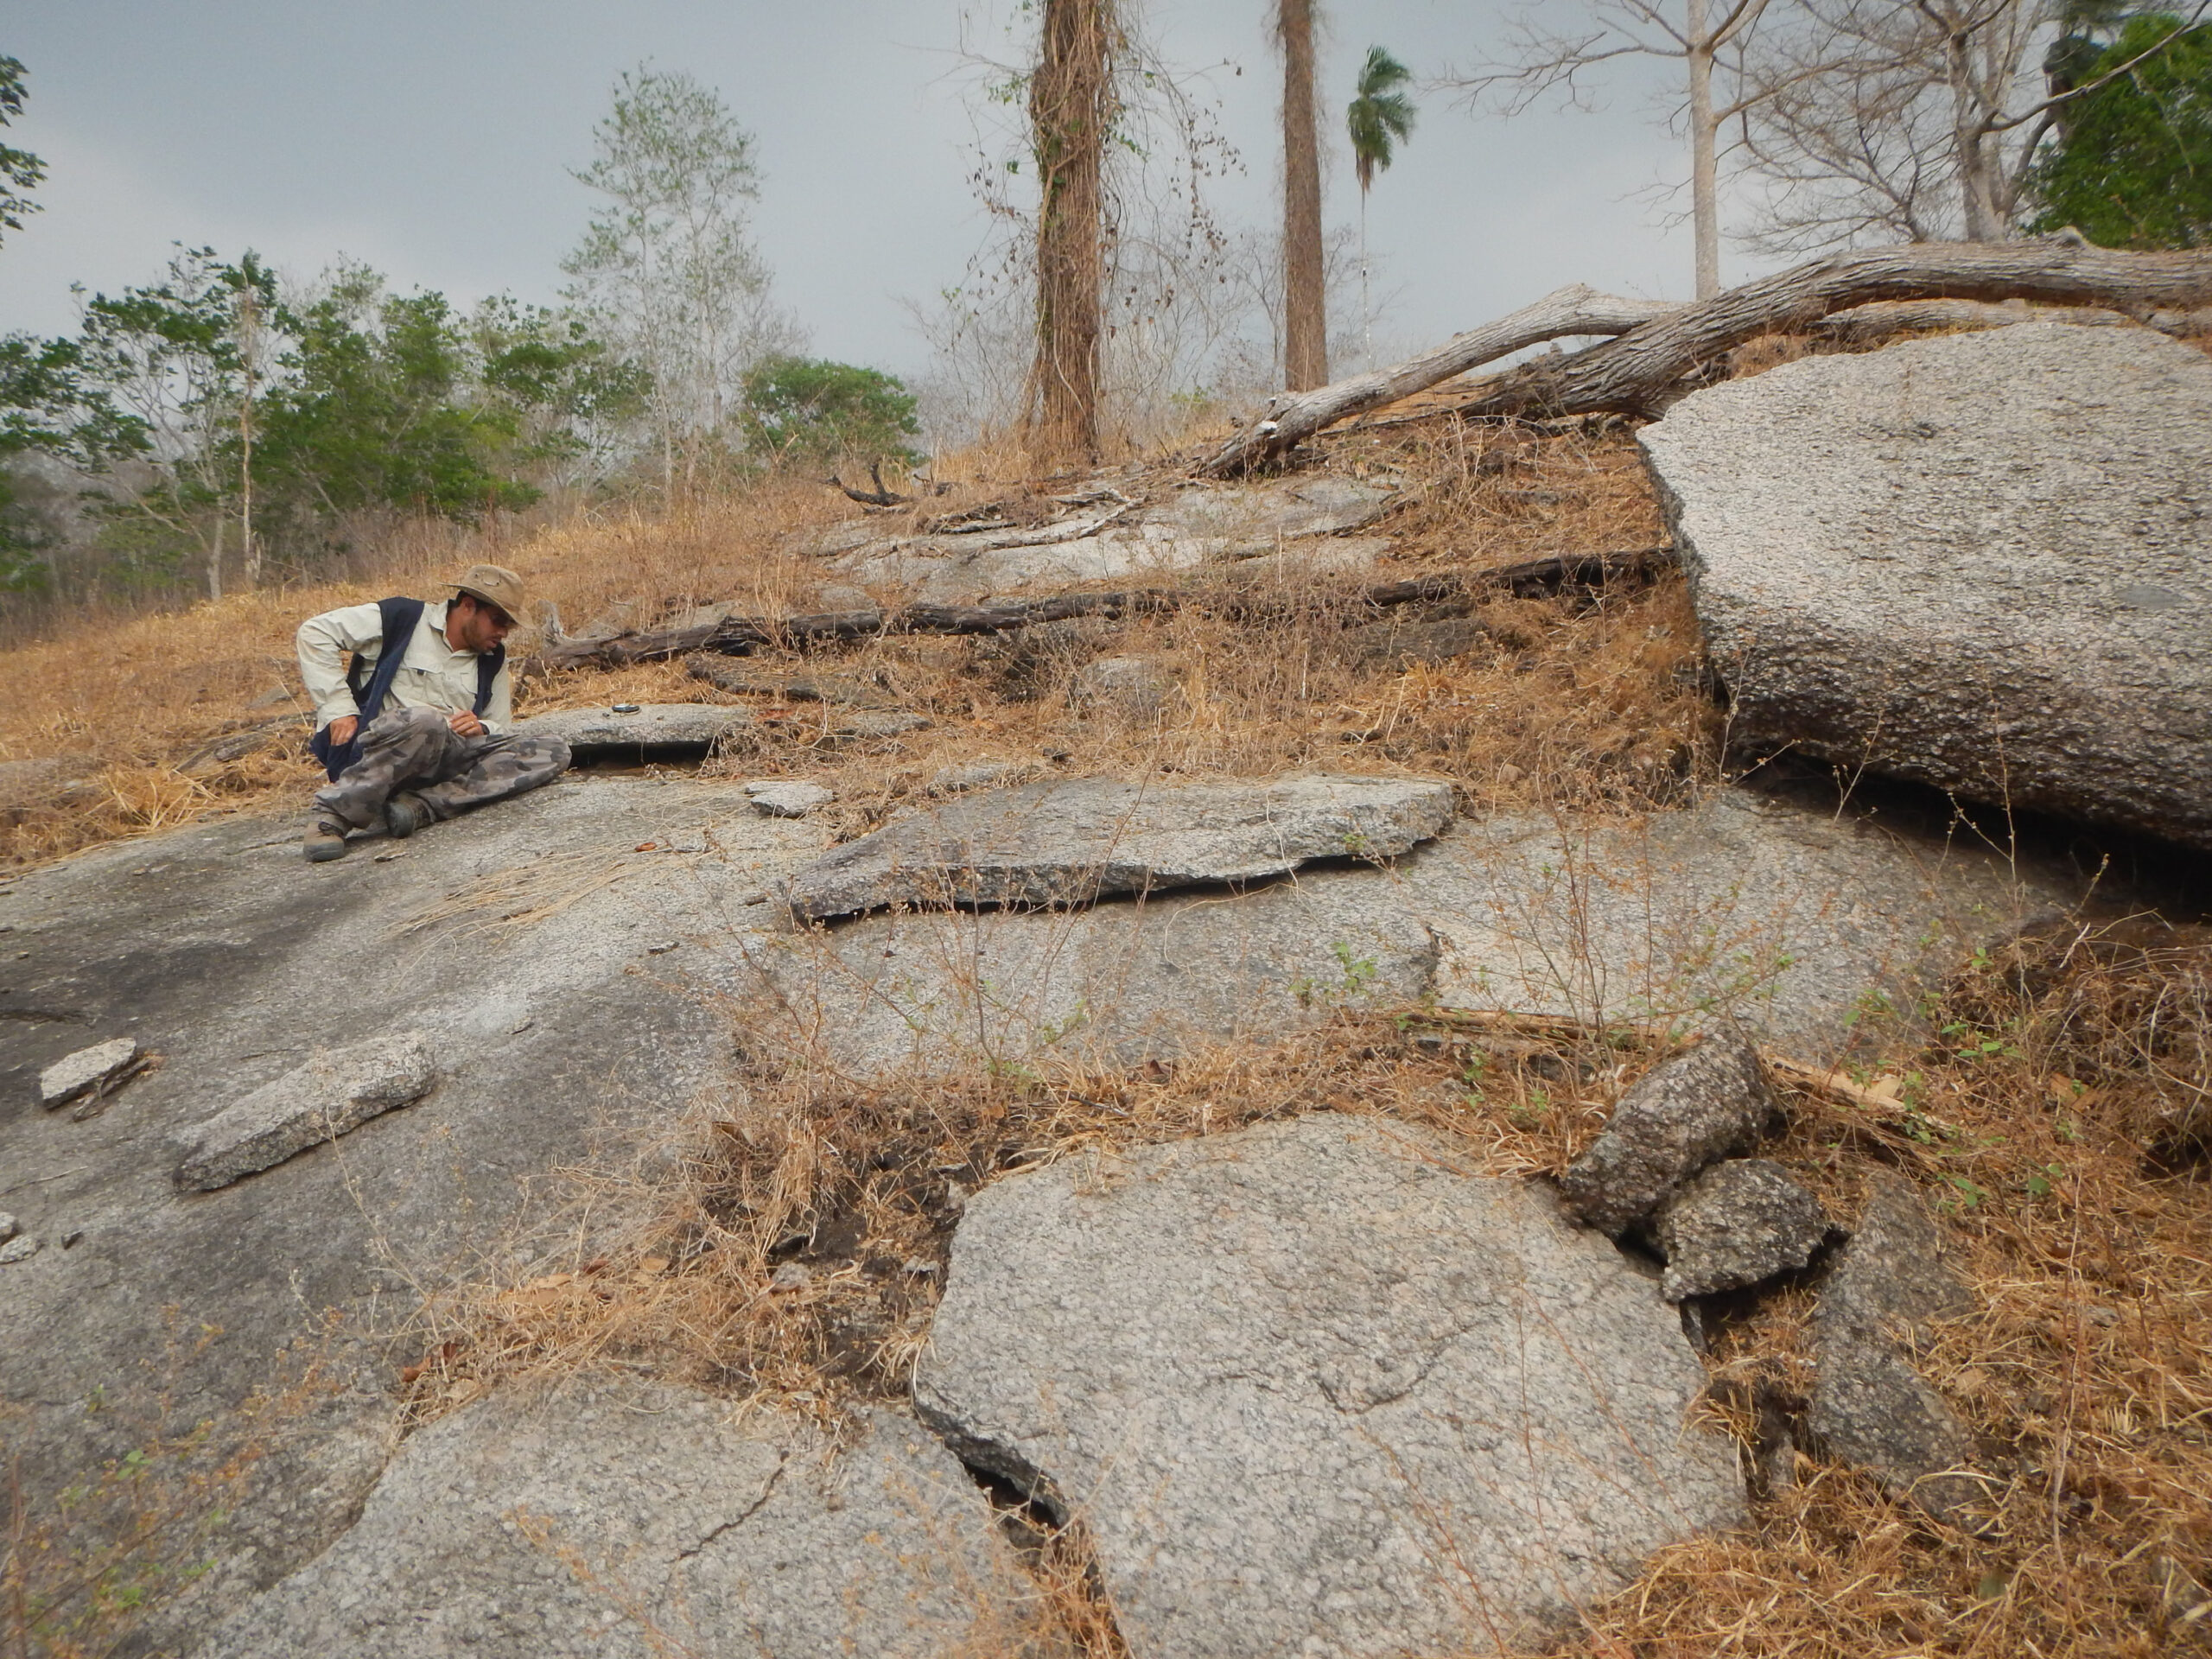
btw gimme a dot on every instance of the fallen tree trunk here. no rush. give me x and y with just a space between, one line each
1639 371
1530 579
1288 418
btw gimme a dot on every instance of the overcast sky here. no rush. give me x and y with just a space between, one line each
433 140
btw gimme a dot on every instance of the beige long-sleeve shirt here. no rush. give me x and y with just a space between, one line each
432 674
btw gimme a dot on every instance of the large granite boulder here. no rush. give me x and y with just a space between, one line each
590 1522
1813 932
1979 562
548 969
1072 842
1312 1388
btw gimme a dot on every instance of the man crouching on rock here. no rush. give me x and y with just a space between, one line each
418 728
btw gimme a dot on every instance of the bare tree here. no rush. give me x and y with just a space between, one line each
1305 334
1881 120
1708 36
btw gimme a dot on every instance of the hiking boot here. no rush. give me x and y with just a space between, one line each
404 814
325 839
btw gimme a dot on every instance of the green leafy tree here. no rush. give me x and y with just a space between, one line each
20 170
47 409
810 410
572 401
2131 165
1380 117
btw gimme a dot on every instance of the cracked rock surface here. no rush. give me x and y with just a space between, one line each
629 1522
1070 843
1678 1117
1314 1390
1739 1224
1977 561
1871 1404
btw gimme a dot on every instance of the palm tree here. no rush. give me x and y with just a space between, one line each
1380 119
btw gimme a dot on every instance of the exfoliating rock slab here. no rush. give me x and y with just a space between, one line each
1313 1390
331 1095
1680 1116
610 1522
1060 844
1870 1405
1739 1224
85 1071
1983 561
786 798
598 734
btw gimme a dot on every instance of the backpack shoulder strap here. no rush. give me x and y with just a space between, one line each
399 618
487 671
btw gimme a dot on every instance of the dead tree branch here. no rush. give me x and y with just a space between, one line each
1640 371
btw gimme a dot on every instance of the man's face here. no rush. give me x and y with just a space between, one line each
477 626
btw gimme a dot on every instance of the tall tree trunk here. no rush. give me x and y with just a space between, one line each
1070 107
249 343
215 557
1969 138
1705 206
1304 304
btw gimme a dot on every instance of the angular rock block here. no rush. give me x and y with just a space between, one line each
597 1520
1060 844
331 1095
1739 1224
20 1248
1313 1391
85 1071
1870 1405
1680 1116
1978 561
603 734
786 798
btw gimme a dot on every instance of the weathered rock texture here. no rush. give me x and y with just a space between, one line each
1979 561
1739 1224
635 1523
1870 1405
1313 1391
508 938
1810 930
1056 843
661 727
1290 519
85 1069
786 798
1680 1115
333 1094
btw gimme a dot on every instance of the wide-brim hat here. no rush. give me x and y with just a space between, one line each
495 585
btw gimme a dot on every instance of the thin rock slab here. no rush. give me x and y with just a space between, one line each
1680 1116
331 1095
786 798
1310 1388
606 1522
1978 562
1870 1406
664 728
1074 841
87 1069
1739 1224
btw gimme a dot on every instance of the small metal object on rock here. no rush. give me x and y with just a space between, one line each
87 1069
331 1095
1683 1114
1739 1224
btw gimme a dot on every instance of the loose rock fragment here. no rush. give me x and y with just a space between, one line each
87 1069
1870 1406
330 1096
8 1227
980 774
1683 1115
1051 843
1310 1388
1738 1224
20 1248
786 798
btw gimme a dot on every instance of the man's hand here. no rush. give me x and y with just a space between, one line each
342 730
466 724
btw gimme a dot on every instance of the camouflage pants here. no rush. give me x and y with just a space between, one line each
414 749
